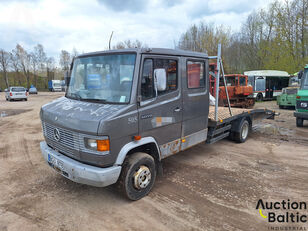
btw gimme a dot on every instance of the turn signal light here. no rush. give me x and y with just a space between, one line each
103 145
298 97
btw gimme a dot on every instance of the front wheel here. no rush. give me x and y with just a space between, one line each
299 122
138 175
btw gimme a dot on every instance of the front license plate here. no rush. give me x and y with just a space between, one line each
55 163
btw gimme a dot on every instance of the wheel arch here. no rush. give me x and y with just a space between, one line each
235 126
147 145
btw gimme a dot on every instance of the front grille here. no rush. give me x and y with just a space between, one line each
70 143
68 138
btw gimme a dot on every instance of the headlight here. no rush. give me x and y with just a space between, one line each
97 145
303 104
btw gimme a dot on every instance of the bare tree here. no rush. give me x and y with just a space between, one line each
50 66
15 65
4 65
34 65
65 60
41 57
130 44
24 61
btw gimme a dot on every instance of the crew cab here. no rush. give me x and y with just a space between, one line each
126 110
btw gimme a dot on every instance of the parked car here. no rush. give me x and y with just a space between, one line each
32 90
16 93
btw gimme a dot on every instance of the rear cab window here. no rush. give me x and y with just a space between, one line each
195 74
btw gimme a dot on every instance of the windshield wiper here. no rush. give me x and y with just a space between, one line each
95 100
74 96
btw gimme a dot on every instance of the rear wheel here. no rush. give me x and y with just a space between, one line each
299 122
243 133
138 175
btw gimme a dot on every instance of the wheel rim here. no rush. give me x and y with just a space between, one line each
245 129
142 177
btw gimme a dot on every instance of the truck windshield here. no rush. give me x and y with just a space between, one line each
304 80
105 78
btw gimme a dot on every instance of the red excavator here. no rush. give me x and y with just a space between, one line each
238 91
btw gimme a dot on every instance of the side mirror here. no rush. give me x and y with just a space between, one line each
67 78
160 79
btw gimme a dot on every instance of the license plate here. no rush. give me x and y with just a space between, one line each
55 163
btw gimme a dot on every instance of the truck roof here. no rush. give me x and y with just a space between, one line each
158 51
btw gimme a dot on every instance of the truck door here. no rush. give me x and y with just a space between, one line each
160 114
195 101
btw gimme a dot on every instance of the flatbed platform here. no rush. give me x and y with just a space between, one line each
225 117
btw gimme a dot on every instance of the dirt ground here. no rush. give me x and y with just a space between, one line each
208 187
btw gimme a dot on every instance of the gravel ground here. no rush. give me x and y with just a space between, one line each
208 187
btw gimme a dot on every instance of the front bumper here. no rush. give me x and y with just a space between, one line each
303 115
79 172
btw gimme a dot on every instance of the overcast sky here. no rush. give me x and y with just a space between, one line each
87 24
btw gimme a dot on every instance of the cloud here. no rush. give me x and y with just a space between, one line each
86 25
126 5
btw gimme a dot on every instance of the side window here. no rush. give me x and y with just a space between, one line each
147 80
195 74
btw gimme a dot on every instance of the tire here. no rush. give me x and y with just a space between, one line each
299 122
259 97
135 167
26 99
242 135
281 107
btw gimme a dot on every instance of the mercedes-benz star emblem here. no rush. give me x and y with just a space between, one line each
56 134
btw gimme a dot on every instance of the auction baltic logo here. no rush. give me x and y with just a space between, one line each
283 212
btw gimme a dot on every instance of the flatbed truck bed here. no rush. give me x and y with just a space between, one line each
228 125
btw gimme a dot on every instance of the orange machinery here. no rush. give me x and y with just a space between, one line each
238 91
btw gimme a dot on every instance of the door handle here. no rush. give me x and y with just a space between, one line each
177 109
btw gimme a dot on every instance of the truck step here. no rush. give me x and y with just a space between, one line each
217 138
219 130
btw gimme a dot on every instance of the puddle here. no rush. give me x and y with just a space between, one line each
272 129
11 112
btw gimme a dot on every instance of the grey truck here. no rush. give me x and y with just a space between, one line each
126 110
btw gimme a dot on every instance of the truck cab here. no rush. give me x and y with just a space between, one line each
301 112
123 112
